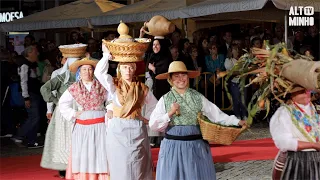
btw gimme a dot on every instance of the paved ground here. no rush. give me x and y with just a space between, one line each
249 170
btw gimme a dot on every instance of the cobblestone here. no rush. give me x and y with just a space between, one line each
248 170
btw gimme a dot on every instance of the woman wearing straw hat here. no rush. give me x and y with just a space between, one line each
58 136
183 153
129 155
295 130
83 104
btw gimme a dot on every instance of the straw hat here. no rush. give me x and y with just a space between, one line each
176 67
297 89
85 61
73 50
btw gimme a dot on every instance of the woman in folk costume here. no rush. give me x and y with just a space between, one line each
129 155
183 153
83 104
295 130
58 137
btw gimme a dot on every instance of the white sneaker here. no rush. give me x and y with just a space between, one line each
6 136
35 146
16 140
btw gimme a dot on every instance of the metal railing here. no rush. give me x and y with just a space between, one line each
141 78
206 74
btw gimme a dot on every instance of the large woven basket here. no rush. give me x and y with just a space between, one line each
73 50
218 134
127 51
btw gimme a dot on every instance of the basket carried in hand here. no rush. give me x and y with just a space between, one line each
218 134
127 51
73 50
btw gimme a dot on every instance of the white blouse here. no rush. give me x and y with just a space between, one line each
159 119
229 63
284 133
101 73
66 103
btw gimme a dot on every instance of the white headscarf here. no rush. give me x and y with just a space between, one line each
65 68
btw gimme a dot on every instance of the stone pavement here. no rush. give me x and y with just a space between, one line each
247 170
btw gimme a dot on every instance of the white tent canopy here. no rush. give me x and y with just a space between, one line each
75 14
103 12
174 9
286 4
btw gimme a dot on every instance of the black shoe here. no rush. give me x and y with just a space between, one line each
62 174
35 145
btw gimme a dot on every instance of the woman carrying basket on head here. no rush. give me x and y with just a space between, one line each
129 155
183 153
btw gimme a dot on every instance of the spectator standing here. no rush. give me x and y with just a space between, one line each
175 37
239 107
192 64
174 52
30 86
203 51
214 64
93 48
183 49
227 39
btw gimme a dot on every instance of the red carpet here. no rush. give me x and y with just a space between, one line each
28 167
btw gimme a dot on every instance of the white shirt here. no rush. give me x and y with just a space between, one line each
159 119
229 63
101 73
24 76
284 133
227 46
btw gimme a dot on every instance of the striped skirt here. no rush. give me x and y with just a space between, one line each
297 165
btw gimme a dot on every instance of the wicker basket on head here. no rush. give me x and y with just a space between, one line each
73 50
127 51
218 134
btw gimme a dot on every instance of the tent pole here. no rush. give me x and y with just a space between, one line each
286 29
185 27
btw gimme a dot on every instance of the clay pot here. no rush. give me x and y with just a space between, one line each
159 26
123 30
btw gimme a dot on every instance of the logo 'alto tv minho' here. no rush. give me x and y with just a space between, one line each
301 16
